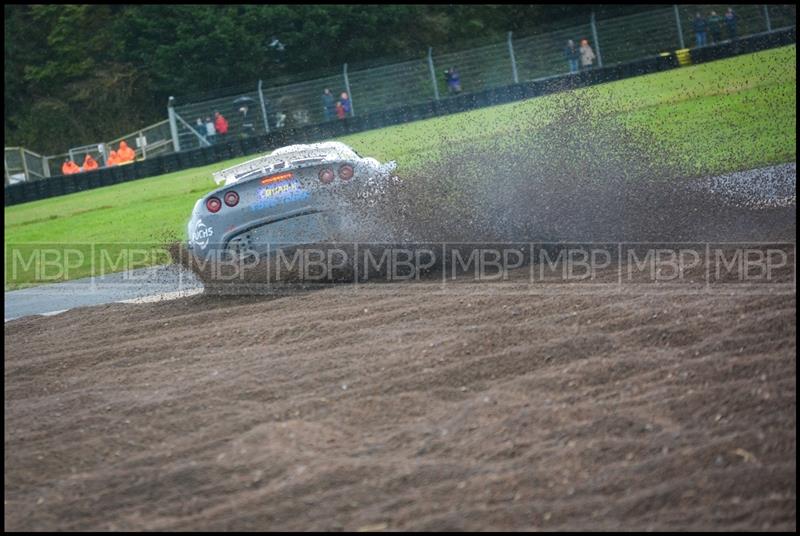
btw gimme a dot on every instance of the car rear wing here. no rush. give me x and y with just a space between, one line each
268 164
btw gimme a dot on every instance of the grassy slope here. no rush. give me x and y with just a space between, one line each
725 115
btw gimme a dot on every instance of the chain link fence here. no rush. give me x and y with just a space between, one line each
491 65
267 107
22 165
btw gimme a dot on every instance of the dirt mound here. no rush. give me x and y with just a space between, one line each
408 406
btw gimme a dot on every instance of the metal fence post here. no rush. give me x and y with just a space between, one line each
433 73
46 166
263 107
25 165
349 94
513 59
143 144
766 17
596 42
173 125
678 23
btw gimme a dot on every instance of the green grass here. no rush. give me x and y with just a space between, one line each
716 117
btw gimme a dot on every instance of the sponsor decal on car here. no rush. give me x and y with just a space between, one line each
278 193
202 233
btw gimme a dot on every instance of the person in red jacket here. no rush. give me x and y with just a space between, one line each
89 163
220 124
69 167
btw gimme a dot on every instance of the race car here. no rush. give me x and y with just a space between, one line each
292 196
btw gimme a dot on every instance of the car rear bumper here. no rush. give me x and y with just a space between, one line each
307 227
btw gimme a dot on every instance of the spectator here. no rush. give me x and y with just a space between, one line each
280 119
328 105
220 124
125 154
211 131
340 113
587 55
700 26
345 100
200 128
730 22
69 167
573 55
715 26
89 163
113 159
248 128
453 80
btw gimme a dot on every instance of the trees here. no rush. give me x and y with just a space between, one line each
77 74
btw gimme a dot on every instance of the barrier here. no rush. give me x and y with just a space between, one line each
60 185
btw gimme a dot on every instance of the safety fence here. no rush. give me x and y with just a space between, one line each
23 165
235 146
267 108
483 66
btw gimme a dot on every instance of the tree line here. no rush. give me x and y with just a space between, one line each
78 74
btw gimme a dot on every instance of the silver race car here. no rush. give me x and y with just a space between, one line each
292 196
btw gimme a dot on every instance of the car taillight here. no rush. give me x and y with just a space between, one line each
213 204
326 176
346 172
231 199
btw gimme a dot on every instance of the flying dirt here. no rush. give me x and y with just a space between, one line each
577 178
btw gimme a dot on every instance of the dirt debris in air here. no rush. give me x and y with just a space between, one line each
575 178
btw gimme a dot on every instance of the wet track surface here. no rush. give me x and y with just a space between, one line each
146 283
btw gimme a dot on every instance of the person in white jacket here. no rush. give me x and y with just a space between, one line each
587 55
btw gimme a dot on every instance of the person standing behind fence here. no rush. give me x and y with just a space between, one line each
700 26
345 100
113 159
89 163
715 26
340 113
125 154
573 55
220 124
211 131
69 167
730 22
453 80
587 55
200 128
328 105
